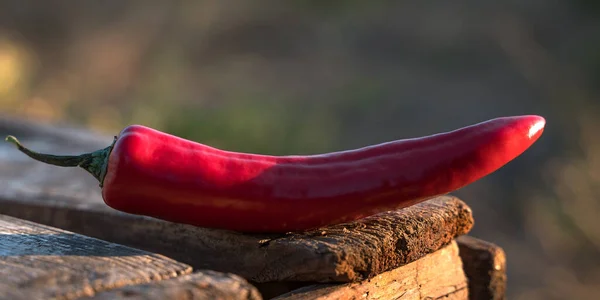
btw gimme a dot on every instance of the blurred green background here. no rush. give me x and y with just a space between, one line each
302 77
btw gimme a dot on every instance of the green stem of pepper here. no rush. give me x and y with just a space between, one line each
94 162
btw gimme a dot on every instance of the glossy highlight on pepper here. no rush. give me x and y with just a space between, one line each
152 173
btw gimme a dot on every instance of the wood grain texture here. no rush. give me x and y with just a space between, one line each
69 198
485 266
205 285
41 262
437 275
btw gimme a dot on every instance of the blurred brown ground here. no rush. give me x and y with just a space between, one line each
300 77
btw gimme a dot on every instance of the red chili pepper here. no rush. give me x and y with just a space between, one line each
148 172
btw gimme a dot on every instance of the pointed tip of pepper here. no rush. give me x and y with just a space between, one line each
537 126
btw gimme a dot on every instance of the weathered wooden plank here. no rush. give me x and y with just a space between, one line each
70 199
485 266
338 253
437 275
41 262
207 285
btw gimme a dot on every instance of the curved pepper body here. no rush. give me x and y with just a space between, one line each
160 175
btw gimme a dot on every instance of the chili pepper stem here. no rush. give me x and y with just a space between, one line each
94 162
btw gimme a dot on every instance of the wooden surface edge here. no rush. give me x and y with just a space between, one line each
376 244
485 266
43 262
437 275
200 285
